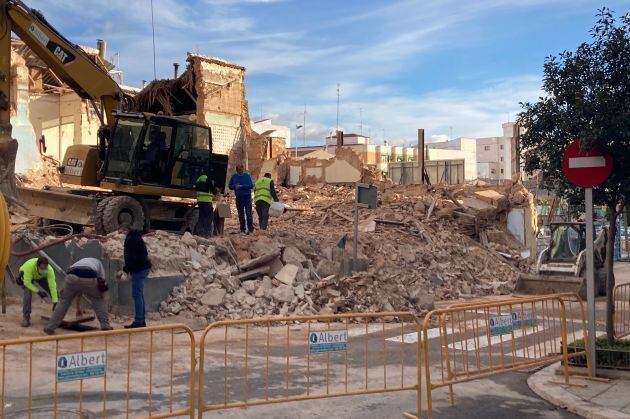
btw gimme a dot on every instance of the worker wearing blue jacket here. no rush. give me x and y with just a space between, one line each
242 185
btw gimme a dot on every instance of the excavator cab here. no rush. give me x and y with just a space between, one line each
561 266
566 242
152 151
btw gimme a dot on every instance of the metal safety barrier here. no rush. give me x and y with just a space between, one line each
621 319
147 372
481 339
276 360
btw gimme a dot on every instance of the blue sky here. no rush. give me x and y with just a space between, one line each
442 65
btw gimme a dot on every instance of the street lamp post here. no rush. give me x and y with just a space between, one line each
297 127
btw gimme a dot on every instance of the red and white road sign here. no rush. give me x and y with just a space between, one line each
586 168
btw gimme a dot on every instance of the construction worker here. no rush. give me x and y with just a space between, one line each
204 201
84 277
241 184
37 277
137 265
264 193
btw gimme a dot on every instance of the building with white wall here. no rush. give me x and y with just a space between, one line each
459 148
497 157
266 128
348 139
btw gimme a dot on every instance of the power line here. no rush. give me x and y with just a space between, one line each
153 31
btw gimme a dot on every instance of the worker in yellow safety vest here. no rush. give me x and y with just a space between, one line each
36 277
264 195
203 227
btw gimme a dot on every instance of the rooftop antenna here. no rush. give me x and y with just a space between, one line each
337 106
153 31
361 120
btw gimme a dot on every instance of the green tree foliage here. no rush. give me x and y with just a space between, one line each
587 97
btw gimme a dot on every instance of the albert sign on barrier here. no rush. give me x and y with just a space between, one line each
81 365
328 341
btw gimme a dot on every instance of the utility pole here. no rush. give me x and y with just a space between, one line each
337 106
304 126
153 33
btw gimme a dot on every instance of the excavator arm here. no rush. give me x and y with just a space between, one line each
67 60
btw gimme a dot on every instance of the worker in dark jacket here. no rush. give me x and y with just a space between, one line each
242 185
137 265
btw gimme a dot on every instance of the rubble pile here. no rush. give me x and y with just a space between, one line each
44 174
421 245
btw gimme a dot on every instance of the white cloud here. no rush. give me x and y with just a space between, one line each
471 113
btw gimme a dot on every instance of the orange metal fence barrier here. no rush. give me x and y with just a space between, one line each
275 360
480 339
621 297
148 372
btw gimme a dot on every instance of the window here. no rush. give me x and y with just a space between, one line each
501 171
122 147
486 148
492 171
501 158
155 152
501 147
191 155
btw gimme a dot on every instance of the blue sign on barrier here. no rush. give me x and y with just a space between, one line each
328 341
81 365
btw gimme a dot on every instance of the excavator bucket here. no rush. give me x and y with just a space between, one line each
530 284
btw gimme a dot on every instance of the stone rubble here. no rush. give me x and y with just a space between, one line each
420 252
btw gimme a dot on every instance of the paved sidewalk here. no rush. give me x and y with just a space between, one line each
598 400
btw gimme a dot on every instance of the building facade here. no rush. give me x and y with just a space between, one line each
498 157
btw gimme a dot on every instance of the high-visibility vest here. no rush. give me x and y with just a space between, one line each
203 196
262 190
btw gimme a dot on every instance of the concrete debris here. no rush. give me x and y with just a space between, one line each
461 250
292 255
287 274
283 293
213 297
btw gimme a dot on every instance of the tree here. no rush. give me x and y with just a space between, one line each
587 97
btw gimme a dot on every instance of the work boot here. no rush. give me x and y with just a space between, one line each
26 322
136 325
49 331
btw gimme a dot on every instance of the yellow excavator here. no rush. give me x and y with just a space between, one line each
140 157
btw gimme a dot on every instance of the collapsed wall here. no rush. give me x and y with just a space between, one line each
212 92
344 167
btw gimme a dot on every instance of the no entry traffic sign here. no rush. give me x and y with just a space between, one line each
586 168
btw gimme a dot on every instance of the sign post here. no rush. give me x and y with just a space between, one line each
590 280
365 197
588 168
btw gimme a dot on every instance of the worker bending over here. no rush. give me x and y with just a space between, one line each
86 277
264 193
37 277
204 201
